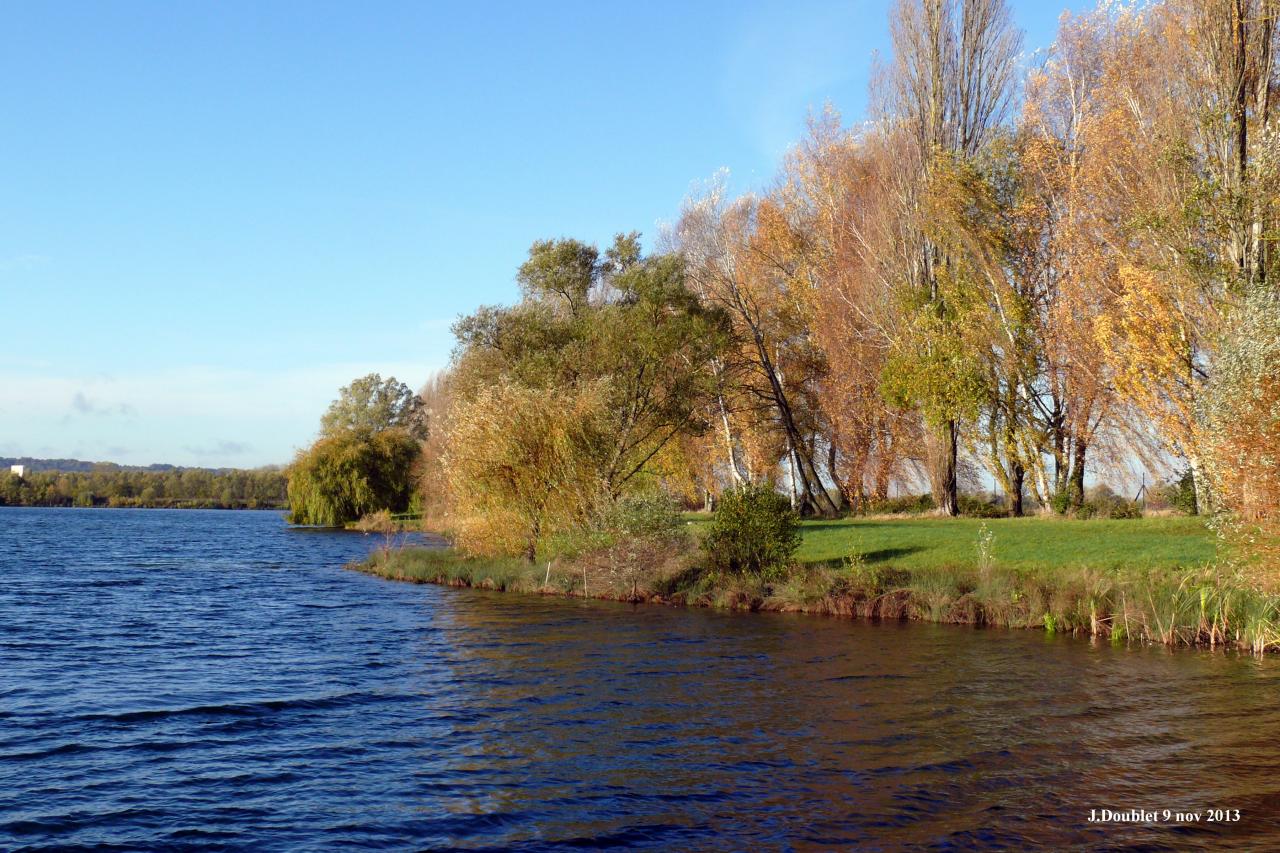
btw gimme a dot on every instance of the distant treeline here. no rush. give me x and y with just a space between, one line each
33 464
179 488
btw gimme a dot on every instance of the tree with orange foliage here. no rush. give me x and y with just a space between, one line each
735 263
833 194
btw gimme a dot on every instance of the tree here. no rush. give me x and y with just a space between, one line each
525 463
944 95
834 194
1241 431
764 376
371 404
344 477
433 488
626 326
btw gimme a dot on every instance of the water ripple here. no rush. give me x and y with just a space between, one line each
215 681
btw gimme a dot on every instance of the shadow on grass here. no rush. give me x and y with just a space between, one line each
883 555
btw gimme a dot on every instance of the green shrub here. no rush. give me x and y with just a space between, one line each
1124 509
905 504
629 544
1088 509
654 516
978 508
753 531
1063 500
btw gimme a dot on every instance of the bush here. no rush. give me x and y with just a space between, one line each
905 504
646 517
1125 509
1063 500
629 543
754 531
978 508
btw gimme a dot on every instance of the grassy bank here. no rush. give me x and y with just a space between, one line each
1148 580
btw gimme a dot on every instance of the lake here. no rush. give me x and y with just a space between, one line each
214 680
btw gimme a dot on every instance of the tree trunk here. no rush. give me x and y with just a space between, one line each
1061 473
884 466
846 500
949 500
1200 488
531 548
813 492
1017 476
1077 473
735 464
791 474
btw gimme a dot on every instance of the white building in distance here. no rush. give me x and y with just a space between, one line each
20 470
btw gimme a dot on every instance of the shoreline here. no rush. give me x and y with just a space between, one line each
182 508
1177 608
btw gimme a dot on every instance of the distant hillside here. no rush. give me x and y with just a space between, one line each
81 466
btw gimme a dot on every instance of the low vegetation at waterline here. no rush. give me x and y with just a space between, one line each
1147 580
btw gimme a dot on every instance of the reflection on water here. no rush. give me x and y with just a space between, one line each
212 679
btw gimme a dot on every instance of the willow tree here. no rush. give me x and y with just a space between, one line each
1176 177
524 464
1241 428
343 477
841 241
1064 265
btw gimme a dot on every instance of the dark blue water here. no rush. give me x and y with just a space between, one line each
213 680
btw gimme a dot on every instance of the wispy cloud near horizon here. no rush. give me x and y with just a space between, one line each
201 415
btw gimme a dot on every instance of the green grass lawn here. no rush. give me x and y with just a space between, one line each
1022 543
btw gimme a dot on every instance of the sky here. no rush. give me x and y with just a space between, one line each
214 215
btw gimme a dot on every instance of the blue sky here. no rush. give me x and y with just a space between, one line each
214 215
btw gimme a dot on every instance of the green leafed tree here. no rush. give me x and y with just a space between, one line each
372 404
623 324
349 475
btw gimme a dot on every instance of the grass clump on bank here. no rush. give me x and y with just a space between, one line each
450 567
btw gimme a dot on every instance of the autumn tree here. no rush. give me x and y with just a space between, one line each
1241 427
614 338
736 262
619 319
945 94
526 463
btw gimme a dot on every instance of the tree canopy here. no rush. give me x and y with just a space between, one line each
372 404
